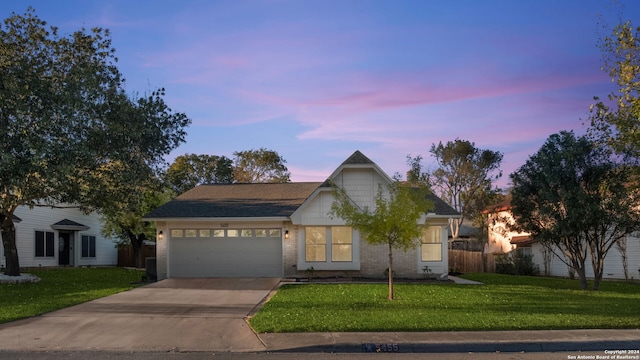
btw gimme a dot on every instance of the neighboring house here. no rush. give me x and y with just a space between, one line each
275 230
502 241
60 237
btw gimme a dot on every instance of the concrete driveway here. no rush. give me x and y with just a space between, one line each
170 315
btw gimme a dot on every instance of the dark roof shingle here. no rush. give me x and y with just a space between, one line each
237 200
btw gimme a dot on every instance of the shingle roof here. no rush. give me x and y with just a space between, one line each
357 158
237 200
441 207
66 224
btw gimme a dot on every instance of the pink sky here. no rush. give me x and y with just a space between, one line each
317 80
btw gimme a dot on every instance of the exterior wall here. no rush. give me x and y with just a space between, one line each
290 251
41 219
361 184
161 249
613 266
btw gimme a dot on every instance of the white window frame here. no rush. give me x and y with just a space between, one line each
328 264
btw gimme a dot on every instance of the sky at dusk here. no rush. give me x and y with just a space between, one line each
317 80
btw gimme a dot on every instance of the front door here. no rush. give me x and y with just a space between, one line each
64 242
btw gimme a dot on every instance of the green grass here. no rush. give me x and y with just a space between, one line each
60 288
504 303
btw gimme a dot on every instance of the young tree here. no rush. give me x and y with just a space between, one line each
69 133
190 170
465 178
616 122
260 166
393 222
573 198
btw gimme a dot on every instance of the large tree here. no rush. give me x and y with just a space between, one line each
68 131
190 170
617 120
260 166
464 178
393 222
576 200
124 220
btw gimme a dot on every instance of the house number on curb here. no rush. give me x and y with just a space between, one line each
380 347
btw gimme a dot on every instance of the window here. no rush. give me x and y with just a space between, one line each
261 233
432 244
205 233
44 244
246 233
524 250
274 233
232 233
316 243
190 233
218 233
176 233
88 246
341 243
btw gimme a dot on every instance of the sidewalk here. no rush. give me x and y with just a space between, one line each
459 341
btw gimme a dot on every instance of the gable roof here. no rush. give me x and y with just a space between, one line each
264 200
441 208
237 200
357 158
66 224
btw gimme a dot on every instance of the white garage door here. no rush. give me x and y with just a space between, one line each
225 253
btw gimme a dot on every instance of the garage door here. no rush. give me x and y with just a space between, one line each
225 253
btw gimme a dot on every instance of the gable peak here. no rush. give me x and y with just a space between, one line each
357 158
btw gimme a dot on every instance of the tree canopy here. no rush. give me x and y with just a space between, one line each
190 170
393 222
616 122
69 132
575 200
464 178
260 166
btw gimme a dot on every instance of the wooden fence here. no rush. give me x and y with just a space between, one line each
125 255
471 261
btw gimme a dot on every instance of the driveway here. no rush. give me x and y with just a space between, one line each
170 315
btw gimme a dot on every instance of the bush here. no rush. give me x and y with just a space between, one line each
516 263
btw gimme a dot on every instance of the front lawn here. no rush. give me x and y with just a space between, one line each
505 302
60 288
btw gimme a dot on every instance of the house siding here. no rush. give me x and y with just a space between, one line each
613 266
41 219
499 242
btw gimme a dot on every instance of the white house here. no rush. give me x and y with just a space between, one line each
503 241
60 237
275 230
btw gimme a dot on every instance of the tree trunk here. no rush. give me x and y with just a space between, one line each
8 231
390 273
582 275
136 246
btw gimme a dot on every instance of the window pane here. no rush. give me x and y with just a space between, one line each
50 244
218 233
261 233
432 234
431 252
176 233
315 241
246 233
39 244
340 252
205 233
92 246
274 233
232 233
316 253
341 243
190 233
316 235
85 246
